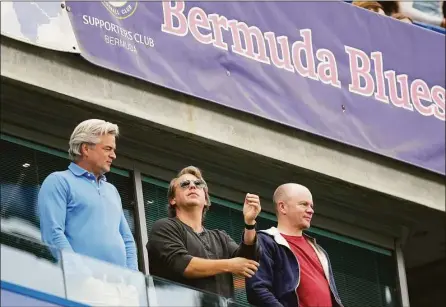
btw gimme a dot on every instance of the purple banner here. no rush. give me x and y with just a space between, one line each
328 68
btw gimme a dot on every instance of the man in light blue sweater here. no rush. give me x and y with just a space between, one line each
79 210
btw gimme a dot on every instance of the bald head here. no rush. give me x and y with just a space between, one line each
289 190
294 208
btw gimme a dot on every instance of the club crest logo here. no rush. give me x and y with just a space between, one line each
121 9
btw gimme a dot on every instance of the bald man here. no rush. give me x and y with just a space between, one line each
294 271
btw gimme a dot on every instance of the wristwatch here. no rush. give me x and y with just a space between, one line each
250 227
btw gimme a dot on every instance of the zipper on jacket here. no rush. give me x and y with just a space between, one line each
298 268
298 279
329 279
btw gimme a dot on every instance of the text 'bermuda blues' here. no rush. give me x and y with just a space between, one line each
251 42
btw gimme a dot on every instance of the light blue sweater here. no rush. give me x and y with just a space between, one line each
83 215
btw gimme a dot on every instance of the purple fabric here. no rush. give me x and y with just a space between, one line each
189 56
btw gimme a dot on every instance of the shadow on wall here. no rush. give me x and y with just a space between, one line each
426 284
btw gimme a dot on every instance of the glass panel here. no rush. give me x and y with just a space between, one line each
97 283
30 264
166 293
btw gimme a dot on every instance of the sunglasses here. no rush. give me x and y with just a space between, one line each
199 183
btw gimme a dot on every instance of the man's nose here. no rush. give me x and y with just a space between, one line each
113 155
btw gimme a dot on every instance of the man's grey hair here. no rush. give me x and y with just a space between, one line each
89 132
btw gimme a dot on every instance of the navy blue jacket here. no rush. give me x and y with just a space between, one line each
278 277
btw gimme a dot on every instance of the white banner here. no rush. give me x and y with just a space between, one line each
44 24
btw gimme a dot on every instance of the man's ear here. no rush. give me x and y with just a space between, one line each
172 202
84 149
281 207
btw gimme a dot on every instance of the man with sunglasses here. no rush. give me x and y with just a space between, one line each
182 250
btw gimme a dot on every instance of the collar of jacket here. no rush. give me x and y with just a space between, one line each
275 233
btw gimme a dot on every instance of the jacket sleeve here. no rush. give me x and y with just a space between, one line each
242 250
259 287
